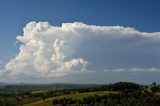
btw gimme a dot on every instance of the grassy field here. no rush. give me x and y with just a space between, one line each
48 102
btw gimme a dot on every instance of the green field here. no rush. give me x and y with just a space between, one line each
48 102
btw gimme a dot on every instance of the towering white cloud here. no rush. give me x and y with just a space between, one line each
48 51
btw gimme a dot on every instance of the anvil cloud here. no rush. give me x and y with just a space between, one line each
48 51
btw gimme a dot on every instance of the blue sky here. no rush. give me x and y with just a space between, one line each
143 15
14 15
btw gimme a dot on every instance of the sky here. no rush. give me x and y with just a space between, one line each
79 41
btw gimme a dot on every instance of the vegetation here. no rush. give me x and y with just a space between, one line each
117 94
124 99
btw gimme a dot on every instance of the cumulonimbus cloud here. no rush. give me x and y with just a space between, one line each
54 51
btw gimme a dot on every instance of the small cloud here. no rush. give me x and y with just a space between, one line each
133 73
144 70
133 70
119 70
16 42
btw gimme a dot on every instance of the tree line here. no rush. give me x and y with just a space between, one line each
129 91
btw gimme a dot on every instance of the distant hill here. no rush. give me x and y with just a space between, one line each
2 84
11 87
